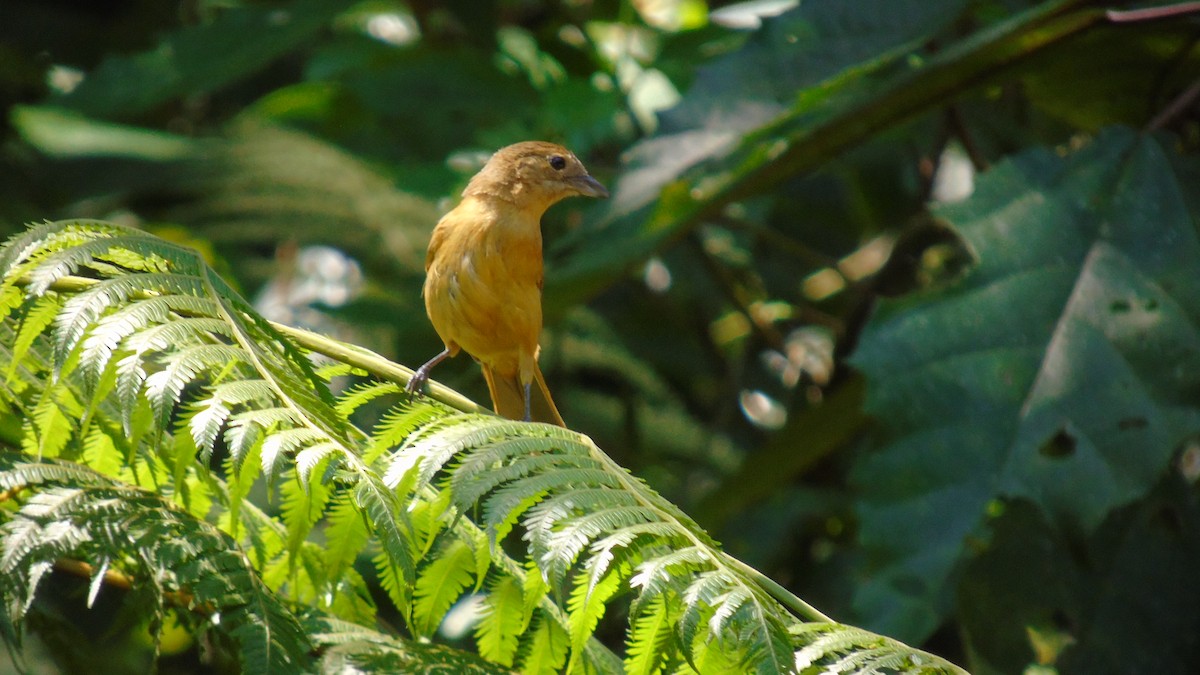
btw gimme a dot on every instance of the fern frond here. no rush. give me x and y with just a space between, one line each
353 648
440 584
345 534
34 321
174 551
651 635
501 622
845 650
547 651
159 365
123 322
84 309
585 607
563 544
363 393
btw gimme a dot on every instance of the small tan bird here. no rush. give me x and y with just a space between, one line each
483 284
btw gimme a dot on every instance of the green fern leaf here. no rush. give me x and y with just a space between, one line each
126 321
440 584
651 636
699 599
501 621
33 323
84 309
769 647
482 471
242 436
52 423
656 575
843 650
131 377
345 535
510 502
547 652
29 248
428 518
393 582
363 393
280 444
390 524
207 420
164 387
605 551
585 607
397 425
533 590
100 453
57 261
564 544
313 457
166 547
303 505
470 483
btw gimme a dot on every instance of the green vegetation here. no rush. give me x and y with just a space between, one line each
897 300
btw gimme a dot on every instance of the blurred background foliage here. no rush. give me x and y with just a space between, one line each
899 298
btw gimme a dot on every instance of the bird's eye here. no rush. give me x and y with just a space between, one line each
557 162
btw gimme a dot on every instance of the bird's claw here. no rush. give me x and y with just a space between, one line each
417 383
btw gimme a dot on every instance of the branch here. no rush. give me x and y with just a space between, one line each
118 579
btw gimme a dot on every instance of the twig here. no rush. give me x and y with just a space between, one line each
727 284
118 579
1151 13
958 127
1175 107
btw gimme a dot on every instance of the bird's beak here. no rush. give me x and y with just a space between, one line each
588 186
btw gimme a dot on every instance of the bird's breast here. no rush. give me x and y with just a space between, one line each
483 284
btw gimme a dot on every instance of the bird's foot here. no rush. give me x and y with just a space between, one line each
416 385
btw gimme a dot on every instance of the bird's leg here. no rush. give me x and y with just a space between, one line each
421 376
528 416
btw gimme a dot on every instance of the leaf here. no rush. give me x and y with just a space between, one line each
586 606
34 321
156 543
201 58
649 647
761 137
1077 406
59 132
547 650
440 584
500 623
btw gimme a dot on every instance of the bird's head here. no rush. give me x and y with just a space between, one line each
534 174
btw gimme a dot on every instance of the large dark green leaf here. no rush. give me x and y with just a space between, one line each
830 88
1033 594
1064 369
199 59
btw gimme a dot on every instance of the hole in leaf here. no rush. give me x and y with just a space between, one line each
1151 305
1170 518
1120 306
1062 620
1061 444
1128 423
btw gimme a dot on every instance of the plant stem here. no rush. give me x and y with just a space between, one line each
785 597
352 355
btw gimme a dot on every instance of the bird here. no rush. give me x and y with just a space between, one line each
483 273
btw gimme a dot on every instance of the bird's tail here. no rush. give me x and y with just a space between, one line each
508 397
